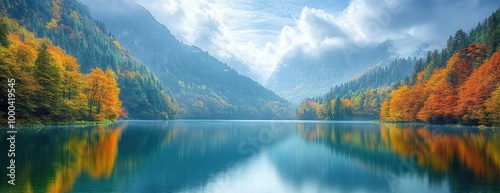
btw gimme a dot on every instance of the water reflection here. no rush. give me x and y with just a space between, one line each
51 160
255 156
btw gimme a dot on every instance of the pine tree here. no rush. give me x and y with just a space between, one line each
493 36
49 78
337 107
460 40
326 109
4 41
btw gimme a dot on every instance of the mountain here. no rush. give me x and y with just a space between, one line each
299 75
374 78
360 98
203 86
68 24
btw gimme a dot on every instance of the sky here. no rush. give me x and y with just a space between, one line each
257 34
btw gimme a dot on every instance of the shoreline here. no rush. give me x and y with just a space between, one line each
38 125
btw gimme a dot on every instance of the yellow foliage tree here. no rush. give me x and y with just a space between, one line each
101 90
493 107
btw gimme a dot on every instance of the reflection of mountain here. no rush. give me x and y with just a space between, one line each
174 155
468 159
300 162
336 157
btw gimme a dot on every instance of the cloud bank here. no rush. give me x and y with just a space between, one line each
259 33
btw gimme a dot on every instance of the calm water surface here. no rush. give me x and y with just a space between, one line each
254 156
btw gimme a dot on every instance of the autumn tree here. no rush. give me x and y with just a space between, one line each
308 110
477 89
493 107
461 64
399 109
72 97
385 111
24 56
439 106
101 90
49 86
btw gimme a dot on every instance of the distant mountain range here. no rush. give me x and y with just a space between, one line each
299 75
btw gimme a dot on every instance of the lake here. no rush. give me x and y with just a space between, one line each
254 156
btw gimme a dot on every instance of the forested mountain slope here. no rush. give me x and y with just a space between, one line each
203 86
68 24
459 84
41 84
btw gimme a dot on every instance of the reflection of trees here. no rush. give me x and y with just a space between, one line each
53 159
470 160
361 143
93 153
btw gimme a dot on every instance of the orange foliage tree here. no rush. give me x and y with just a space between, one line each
399 107
102 94
457 92
477 89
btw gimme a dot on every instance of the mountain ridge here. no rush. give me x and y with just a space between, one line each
295 79
203 86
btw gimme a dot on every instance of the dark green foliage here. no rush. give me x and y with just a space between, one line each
3 34
493 33
47 75
326 109
364 93
486 32
361 105
460 40
337 113
375 78
88 40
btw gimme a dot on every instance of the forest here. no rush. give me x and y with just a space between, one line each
71 68
50 87
458 85
360 98
68 25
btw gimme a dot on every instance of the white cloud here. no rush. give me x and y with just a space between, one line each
259 33
229 30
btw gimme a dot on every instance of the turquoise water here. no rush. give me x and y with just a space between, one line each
254 156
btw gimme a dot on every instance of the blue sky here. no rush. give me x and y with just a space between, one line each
257 34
